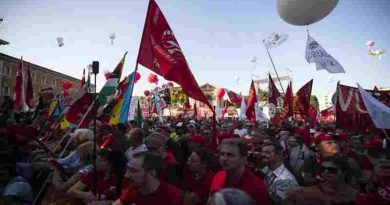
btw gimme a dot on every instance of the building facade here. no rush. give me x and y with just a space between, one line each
42 77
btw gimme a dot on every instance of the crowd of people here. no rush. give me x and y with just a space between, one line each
185 161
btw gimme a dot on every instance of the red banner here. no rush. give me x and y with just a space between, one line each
351 113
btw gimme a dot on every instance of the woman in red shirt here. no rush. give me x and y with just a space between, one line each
197 183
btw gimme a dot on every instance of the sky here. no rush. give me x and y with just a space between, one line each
218 37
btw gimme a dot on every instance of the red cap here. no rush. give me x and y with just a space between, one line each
197 138
322 137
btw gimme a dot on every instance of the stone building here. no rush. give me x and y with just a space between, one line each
42 77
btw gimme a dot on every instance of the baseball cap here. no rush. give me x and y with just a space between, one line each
322 137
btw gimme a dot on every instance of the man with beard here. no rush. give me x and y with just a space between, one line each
232 158
145 187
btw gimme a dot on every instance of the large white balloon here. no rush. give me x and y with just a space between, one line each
304 12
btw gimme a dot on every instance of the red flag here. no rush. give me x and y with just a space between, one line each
234 98
288 102
79 106
303 95
29 89
161 53
273 95
273 92
313 116
252 99
17 97
82 80
88 118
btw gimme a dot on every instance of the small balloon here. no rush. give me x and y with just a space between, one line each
147 93
60 41
253 59
370 43
220 93
137 77
152 78
112 37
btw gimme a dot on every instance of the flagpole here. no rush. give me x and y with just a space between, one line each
131 91
273 65
387 136
78 125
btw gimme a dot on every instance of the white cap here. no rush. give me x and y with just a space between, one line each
179 124
312 131
192 122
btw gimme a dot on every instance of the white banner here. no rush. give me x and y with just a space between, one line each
274 40
243 109
132 106
316 54
158 108
379 112
260 116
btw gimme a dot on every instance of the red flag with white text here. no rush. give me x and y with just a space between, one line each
161 53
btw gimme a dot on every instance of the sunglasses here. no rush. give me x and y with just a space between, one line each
332 170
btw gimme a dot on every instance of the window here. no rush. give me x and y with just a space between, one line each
6 90
43 79
6 70
53 82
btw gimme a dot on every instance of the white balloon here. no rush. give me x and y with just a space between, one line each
304 12
253 59
60 41
112 37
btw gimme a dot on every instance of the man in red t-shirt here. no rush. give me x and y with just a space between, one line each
145 186
232 158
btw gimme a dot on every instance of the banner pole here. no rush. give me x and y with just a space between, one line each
273 65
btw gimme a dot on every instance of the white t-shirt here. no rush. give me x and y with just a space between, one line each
131 151
243 132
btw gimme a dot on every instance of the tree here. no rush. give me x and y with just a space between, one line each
314 102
